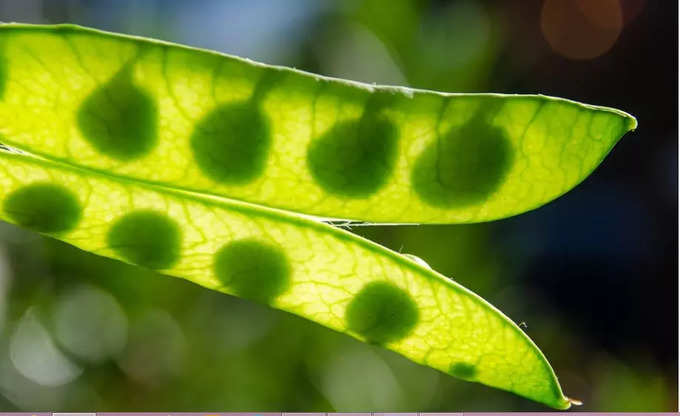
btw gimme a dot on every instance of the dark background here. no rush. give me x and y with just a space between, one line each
593 275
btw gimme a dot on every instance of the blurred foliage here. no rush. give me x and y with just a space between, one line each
592 276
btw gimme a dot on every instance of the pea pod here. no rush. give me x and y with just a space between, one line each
221 125
208 167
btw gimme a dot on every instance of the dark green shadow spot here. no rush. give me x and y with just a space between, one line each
463 166
253 269
43 207
231 143
119 118
354 158
146 238
463 370
381 313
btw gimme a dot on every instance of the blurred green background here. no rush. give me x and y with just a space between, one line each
591 276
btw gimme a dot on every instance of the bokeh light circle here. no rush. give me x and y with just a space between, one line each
90 323
581 29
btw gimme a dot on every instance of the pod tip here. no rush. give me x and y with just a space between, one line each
575 402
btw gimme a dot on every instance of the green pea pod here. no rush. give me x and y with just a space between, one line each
221 125
207 167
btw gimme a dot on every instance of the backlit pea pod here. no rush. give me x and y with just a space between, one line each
299 265
221 125
183 161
